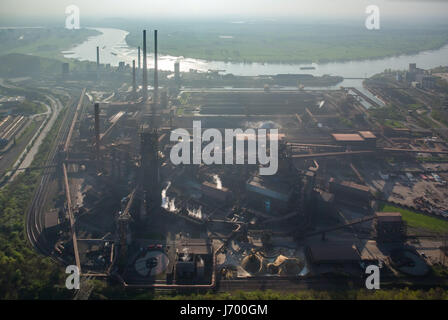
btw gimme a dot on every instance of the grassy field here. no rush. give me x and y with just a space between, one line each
387 115
19 65
289 42
418 220
29 52
43 42
26 108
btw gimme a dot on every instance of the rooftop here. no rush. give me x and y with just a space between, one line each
193 246
354 185
388 216
269 186
250 136
333 253
347 137
214 186
51 218
367 134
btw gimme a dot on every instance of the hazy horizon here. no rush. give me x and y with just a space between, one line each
404 10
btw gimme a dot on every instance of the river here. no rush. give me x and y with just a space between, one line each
114 49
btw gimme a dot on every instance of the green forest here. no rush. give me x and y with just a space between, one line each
25 274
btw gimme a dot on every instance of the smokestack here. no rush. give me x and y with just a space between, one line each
139 64
98 57
145 70
97 130
134 89
156 71
177 72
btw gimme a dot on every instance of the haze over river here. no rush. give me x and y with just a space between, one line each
113 49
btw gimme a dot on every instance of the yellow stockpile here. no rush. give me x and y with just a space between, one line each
285 266
255 263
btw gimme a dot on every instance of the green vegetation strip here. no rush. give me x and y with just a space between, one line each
399 294
419 220
102 291
24 274
28 132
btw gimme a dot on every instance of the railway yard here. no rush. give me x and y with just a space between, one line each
362 179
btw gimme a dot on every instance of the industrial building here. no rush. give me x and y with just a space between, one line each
188 226
333 253
268 195
214 192
360 140
350 193
9 127
389 226
193 260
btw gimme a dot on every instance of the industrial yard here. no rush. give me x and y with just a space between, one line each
21 122
356 184
360 175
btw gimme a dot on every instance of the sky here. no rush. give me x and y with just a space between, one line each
339 9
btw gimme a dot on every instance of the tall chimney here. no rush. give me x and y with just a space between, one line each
134 89
97 130
156 71
177 72
139 64
97 57
145 70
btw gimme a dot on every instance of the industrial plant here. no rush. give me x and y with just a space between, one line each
116 206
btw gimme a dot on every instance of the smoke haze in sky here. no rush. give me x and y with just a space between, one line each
339 9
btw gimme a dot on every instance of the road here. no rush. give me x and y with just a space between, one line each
38 138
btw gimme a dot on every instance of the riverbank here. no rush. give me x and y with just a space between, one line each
113 49
291 43
42 42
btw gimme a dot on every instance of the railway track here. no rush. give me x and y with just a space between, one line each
35 218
